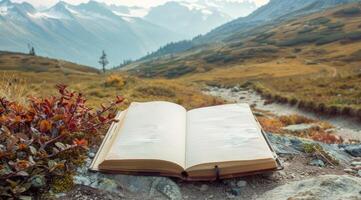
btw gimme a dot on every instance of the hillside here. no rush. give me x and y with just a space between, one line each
23 75
309 53
271 14
10 61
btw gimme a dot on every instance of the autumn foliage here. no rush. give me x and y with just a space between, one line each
42 140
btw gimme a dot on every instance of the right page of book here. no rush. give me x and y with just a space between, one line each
224 134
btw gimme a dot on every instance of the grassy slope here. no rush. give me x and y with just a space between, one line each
315 58
23 75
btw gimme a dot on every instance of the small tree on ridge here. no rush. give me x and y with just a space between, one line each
103 60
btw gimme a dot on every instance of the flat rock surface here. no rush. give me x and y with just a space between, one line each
328 187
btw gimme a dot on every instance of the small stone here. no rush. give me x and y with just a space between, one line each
91 155
81 180
236 191
348 170
317 162
299 127
241 183
204 188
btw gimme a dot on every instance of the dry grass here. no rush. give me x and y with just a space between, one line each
14 88
275 124
307 72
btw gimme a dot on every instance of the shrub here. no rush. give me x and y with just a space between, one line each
319 21
179 71
329 38
156 91
293 101
301 39
114 81
335 25
348 12
219 57
45 139
295 119
307 29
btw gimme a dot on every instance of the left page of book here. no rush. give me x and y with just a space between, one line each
151 131
108 140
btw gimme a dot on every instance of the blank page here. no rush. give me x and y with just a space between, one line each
154 130
222 134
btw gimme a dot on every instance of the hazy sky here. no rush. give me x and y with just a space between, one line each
143 3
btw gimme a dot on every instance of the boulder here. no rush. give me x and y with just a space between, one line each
354 150
326 187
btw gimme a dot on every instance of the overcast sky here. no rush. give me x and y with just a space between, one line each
143 3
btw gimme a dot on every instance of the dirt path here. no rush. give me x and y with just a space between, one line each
348 128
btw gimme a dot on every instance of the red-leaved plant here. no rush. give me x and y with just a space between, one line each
43 139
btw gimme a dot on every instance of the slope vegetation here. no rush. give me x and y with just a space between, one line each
315 58
23 75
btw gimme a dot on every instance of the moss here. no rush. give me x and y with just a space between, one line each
62 183
317 150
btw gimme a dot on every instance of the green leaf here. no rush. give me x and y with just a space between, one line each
51 164
31 160
60 145
55 150
33 150
25 197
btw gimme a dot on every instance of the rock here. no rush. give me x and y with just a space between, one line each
299 127
204 188
82 180
235 191
91 155
107 184
285 145
321 188
355 163
353 150
318 163
81 192
168 188
241 183
348 170
235 89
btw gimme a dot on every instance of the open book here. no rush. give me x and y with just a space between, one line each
162 138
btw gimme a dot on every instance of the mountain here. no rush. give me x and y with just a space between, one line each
271 14
322 41
198 17
186 18
273 11
79 33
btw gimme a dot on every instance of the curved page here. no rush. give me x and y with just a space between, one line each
224 134
151 131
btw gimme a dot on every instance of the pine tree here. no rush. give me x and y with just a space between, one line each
103 60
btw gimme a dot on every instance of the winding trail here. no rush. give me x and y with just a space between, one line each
346 127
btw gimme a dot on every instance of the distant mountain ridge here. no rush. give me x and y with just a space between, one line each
80 32
274 11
